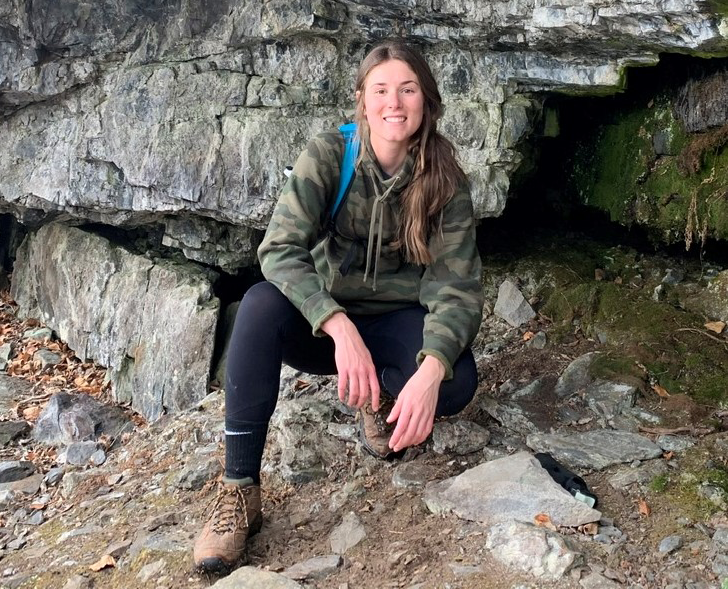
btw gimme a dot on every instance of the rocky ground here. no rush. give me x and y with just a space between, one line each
91 496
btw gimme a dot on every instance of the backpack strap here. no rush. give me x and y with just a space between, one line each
348 165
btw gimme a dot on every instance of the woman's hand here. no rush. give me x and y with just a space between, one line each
353 362
414 410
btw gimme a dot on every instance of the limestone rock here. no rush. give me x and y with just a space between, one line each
459 437
152 324
513 488
538 551
70 418
252 578
347 534
595 449
511 306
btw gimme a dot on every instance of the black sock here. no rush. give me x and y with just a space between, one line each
244 443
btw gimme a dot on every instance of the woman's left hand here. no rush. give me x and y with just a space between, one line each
414 410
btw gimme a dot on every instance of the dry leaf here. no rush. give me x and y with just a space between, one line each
668 455
591 528
618 280
660 390
715 326
644 509
542 520
31 413
527 336
105 561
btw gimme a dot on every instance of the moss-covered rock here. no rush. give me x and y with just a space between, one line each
642 167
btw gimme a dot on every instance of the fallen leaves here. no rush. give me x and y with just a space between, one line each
715 326
105 561
643 508
542 520
661 391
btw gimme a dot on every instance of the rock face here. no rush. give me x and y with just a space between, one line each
152 324
185 115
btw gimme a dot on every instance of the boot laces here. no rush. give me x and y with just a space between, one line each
229 505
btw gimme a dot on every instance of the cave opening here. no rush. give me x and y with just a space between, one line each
544 203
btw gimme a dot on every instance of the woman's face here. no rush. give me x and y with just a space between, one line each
393 105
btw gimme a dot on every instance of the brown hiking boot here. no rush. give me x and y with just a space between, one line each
374 431
236 515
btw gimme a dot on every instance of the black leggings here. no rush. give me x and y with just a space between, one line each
270 330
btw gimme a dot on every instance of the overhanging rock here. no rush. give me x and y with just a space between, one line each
152 323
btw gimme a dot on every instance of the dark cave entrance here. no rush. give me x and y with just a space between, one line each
543 203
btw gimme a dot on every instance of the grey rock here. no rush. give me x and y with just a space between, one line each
70 418
12 430
348 432
595 449
298 444
576 376
671 443
347 534
71 481
82 531
720 565
459 437
54 476
97 458
78 582
7 498
29 485
511 306
341 497
713 493
314 568
720 538
14 470
642 474
609 399
5 351
12 390
411 475
512 415
538 341
506 489
79 453
643 415
46 358
151 570
464 570
673 276
198 471
537 551
36 518
670 544
252 578
152 324
39 333
597 581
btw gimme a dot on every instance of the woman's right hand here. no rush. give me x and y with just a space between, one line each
353 362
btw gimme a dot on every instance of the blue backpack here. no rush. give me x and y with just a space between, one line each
348 164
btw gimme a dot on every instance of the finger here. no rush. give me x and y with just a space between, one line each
363 392
374 387
408 438
394 413
395 442
342 387
353 391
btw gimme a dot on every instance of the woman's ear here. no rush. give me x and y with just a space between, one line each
357 97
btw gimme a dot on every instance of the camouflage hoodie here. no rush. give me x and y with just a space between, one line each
322 273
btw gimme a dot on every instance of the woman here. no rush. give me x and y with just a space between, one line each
388 297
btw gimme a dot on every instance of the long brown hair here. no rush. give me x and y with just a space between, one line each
437 174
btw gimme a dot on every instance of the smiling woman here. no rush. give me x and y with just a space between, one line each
386 294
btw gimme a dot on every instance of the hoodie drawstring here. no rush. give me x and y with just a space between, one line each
377 217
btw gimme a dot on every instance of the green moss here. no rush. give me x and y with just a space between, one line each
719 7
659 483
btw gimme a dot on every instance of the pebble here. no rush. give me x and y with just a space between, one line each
151 570
36 518
15 470
46 358
347 534
670 544
720 538
39 333
314 568
671 443
54 476
411 475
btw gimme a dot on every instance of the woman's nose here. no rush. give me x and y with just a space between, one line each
393 99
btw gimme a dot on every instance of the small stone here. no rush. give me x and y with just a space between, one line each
350 489
459 437
348 432
12 430
720 538
720 565
17 543
5 351
512 306
7 498
166 519
151 570
670 443
670 544
314 568
118 549
410 475
46 358
597 581
15 470
659 293
54 476
36 518
39 333
673 277
464 570
97 458
576 376
712 493
78 582
347 534
79 453
538 341
114 479
28 486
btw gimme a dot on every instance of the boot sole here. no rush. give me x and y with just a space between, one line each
218 567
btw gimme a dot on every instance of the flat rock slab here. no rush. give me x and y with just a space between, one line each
595 449
10 430
609 399
511 305
314 568
513 488
459 437
12 390
252 578
642 474
347 534
576 375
